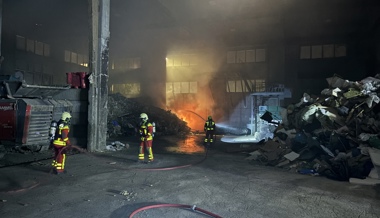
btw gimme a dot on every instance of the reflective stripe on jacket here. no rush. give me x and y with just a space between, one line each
146 131
61 136
209 125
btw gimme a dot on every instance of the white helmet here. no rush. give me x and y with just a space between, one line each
144 116
66 116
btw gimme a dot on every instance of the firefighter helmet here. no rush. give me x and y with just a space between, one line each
66 116
209 117
144 116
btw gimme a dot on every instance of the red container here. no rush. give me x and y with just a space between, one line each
77 80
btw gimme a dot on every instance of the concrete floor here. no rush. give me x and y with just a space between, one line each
222 183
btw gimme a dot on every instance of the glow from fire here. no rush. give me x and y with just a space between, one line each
189 145
193 121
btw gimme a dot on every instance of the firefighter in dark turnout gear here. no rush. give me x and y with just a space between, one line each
210 130
146 138
61 141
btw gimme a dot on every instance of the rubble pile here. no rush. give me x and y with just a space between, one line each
123 118
335 134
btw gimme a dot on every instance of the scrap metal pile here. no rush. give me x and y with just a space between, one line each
335 134
123 118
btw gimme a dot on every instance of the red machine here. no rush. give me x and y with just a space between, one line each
26 112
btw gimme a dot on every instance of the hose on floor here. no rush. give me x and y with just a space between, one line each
183 206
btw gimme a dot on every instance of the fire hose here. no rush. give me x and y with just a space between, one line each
193 208
183 206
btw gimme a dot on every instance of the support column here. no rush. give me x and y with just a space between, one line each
99 11
1 24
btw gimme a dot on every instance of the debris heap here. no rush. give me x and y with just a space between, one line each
123 118
335 134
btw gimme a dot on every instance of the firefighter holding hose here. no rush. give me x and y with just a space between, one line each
209 128
146 138
61 143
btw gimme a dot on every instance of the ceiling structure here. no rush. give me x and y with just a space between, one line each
243 21
134 22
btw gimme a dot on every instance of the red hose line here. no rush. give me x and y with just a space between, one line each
193 208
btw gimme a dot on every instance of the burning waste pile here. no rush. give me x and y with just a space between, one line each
123 118
335 135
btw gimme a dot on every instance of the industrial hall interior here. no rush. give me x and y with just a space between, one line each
190 108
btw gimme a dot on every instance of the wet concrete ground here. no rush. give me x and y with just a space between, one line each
113 184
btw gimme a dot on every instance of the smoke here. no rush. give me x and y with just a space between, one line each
198 68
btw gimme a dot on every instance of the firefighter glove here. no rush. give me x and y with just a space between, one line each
142 138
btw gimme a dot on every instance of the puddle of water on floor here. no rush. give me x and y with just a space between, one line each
189 145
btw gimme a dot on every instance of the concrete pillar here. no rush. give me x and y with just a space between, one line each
98 64
1 22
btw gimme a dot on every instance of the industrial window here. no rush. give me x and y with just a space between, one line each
323 51
177 87
80 59
67 56
340 51
250 56
260 85
305 52
39 48
128 89
240 56
30 45
20 43
245 86
85 61
136 63
46 50
231 57
328 51
185 87
193 87
129 63
246 56
316 51
181 87
74 58
260 55
183 60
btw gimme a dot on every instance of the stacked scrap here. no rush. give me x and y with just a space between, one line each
335 135
123 118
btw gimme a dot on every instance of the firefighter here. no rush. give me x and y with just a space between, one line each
146 137
61 143
210 130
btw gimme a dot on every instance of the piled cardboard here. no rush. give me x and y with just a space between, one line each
331 134
123 118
